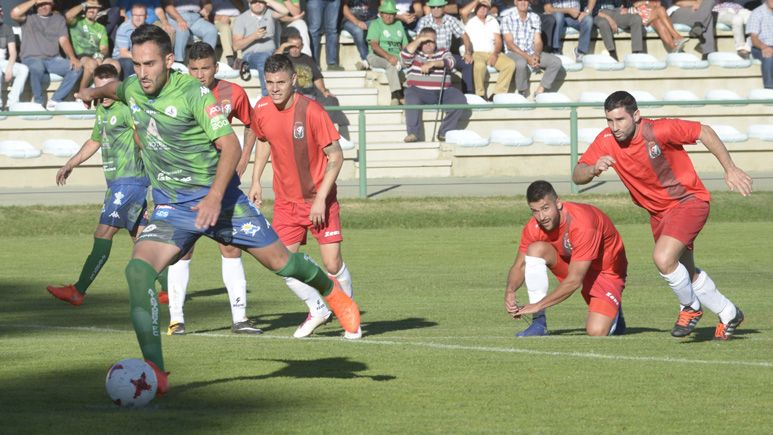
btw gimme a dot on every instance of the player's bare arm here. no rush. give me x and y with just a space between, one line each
87 150
583 173
262 152
735 178
514 281
88 95
249 144
335 161
573 281
209 207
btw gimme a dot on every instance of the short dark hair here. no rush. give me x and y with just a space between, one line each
621 99
152 33
538 190
105 71
201 50
277 63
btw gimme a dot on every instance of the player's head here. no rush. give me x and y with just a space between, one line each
280 79
152 57
202 63
429 46
622 115
103 75
544 204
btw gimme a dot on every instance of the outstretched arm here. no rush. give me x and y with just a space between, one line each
87 150
584 173
107 91
573 281
735 178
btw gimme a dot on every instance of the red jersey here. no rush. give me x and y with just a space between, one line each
233 101
297 136
584 234
655 167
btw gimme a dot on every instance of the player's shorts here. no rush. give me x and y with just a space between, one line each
291 222
124 206
682 222
241 225
603 292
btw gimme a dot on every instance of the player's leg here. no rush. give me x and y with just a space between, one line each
539 257
710 297
163 277
178 275
235 283
335 266
604 293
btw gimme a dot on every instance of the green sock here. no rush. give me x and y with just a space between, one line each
300 267
144 309
163 279
94 262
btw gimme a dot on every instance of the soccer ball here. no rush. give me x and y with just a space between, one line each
131 383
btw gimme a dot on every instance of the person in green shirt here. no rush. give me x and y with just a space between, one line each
89 38
387 38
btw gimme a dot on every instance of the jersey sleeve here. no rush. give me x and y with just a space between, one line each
322 127
208 114
594 151
241 106
527 236
677 132
255 123
96 131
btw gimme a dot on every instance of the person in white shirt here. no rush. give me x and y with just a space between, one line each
486 38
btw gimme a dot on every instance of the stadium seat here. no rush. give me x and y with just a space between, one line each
722 94
760 131
686 61
60 147
490 69
592 97
224 72
18 149
571 31
680 27
728 133
726 59
509 137
588 134
680 95
569 64
514 98
72 106
602 62
31 107
345 37
552 97
346 144
551 136
55 77
476 100
643 61
177 66
760 94
722 27
465 138
644 96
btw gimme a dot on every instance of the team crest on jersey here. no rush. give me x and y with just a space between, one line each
249 229
298 130
113 120
171 111
567 244
654 151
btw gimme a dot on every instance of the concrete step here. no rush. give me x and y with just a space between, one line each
396 151
394 169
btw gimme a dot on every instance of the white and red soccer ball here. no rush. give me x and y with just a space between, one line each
131 383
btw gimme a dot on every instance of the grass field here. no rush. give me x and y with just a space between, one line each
438 353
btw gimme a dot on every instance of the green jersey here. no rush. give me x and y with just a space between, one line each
87 37
177 129
391 37
114 130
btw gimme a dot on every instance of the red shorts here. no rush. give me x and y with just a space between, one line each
603 292
291 222
682 222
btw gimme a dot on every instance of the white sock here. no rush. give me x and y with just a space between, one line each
236 284
536 278
711 298
345 279
177 278
309 295
679 281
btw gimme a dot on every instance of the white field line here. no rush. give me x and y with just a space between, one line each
440 346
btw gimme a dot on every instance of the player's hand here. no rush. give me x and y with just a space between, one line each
393 60
317 214
426 68
362 25
62 174
208 211
75 64
602 164
87 95
526 309
510 303
737 179
256 195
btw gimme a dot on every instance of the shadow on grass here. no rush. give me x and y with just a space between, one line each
628 331
701 335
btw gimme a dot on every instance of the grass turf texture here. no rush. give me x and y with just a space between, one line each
438 353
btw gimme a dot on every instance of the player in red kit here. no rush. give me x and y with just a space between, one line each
306 158
582 248
649 157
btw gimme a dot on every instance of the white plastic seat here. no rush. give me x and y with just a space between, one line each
679 95
728 133
346 144
728 60
31 107
18 149
476 99
55 77
588 134
760 131
509 137
760 94
592 97
177 66
722 94
551 136
686 61
601 62
722 27
569 64
552 97
345 37
60 147
571 31
490 69
465 138
643 61
224 71
74 106
513 98
680 27
644 96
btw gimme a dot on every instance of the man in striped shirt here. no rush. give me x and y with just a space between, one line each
428 82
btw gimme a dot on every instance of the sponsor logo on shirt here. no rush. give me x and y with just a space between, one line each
262 105
115 215
298 131
162 213
171 111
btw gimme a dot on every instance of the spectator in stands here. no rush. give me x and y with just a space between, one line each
387 38
225 13
190 17
653 14
408 13
486 39
11 69
155 14
761 28
428 81
319 14
309 80
45 31
736 16
295 20
88 38
253 34
698 15
358 14
609 16
122 50
447 28
568 13
523 43
548 22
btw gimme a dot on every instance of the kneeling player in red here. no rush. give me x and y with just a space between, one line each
581 246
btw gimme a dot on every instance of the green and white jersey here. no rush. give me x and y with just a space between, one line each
177 129
87 37
114 130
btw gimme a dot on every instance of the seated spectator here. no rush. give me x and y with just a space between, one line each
155 14
309 80
653 14
226 12
12 71
698 15
523 43
253 34
486 39
387 38
295 20
428 81
122 49
609 16
323 14
447 28
736 16
44 32
190 17
408 13
88 38
358 14
568 13
761 28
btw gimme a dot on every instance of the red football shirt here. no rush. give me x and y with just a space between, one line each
655 167
233 101
585 234
293 165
